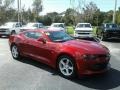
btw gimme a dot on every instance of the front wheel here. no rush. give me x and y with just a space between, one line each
66 67
15 52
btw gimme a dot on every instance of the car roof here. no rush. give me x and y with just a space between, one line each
83 23
58 23
34 23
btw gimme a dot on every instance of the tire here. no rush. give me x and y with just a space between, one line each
15 52
66 67
13 32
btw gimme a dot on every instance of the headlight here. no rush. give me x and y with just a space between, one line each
95 56
89 57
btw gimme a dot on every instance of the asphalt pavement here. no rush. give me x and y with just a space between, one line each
28 74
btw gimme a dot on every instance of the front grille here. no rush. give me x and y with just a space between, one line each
3 30
102 55
83 33
99 66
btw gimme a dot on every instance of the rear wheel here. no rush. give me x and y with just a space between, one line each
66 67
15 52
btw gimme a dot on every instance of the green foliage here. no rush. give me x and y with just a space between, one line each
70 30
7 3
37 8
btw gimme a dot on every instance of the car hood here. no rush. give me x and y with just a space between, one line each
28 28
87 29
87 46
4 27
56 28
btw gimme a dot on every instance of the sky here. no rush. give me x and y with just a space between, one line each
61 5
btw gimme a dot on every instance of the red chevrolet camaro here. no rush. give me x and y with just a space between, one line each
59 50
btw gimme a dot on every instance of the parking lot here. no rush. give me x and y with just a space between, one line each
27 74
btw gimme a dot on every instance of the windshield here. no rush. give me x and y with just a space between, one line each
84 26
58 36
10 24
32 25
111 26
58 25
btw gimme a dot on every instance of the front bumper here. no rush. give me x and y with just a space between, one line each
6 33
92 67
83 35
112 34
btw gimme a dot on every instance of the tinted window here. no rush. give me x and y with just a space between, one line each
111 25
35 25
40 25
17 25
34 35
58 25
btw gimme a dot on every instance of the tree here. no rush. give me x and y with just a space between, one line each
69 17
37 7
89 11
118 16
77 6
7 3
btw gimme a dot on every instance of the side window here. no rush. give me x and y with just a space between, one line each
35 25
17 25
34 35
61 25
40 25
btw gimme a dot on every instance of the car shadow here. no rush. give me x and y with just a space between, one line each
109 80
38 64
105 81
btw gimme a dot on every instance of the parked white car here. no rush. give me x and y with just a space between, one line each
31 26
83 30
58 26
10 28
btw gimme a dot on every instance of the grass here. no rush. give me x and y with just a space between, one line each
70 30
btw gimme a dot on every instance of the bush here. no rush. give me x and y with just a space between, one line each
70 30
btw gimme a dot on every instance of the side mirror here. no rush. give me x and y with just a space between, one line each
43 40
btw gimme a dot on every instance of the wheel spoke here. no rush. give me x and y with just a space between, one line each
66 66
67 61
70 68
63 68
62 62
67 71
14 52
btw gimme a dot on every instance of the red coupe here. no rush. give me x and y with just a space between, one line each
59 50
